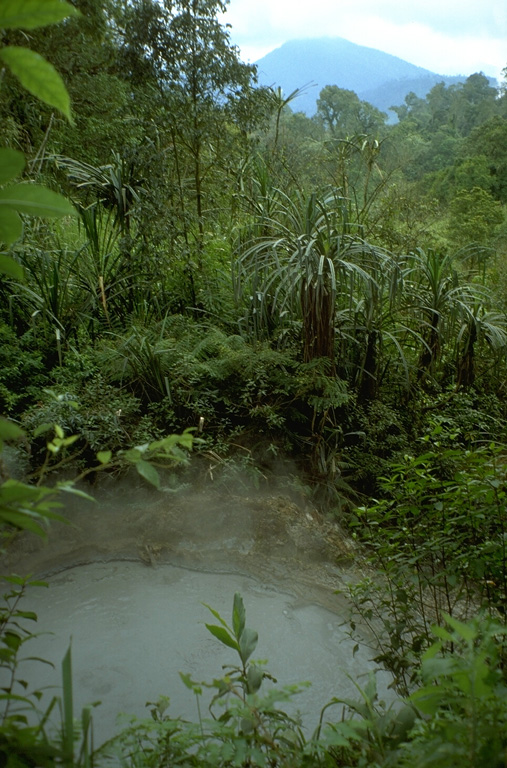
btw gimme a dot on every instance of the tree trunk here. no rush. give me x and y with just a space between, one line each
368 384
317 304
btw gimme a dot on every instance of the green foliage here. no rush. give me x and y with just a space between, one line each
98 428
487 144
344 114
24 506
35 73
199 371
38 76
24 198
251 730
474 215
438 536
463 698
377 433
456 715
368 733
348 323
27 735
21 370
41 79
240 639
301 258
27 507
20 742
30 14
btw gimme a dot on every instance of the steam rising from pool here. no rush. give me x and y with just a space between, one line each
129 575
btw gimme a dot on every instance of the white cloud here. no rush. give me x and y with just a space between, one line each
446 36
429 48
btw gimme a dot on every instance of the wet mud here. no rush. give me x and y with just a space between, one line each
129 573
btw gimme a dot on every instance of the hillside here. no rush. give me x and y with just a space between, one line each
377 77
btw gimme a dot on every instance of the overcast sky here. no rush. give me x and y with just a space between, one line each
446 36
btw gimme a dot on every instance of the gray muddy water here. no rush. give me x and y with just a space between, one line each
134 629
129 576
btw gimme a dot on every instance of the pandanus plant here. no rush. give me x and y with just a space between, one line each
116 185
109 196
308 265
478 326
446 308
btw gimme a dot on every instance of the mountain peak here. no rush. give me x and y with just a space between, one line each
378 77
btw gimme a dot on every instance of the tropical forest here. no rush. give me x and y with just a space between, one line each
193 272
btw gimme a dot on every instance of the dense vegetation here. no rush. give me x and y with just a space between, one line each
332 288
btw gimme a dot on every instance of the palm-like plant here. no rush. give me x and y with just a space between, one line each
112 194
478 325
279 102
450 316
100 270
378 329
439 300
115 185
51 294
308 257
353 165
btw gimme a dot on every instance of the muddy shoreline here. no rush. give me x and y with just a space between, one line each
268 534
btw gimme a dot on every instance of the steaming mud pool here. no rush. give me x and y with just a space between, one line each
128 579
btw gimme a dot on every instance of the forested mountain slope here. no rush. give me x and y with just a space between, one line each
377 77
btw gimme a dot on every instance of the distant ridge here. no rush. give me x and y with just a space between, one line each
380 78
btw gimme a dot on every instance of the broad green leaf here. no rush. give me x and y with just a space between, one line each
238 615
42 428
15 697
104 457
341 734
21 580
430 699
254 678
21 521
30 615
8 265
12 163
11 229
11 639
433 650
437 668
15 491
465 631
221 634
13 579
70 440
133 455
247 644
442 633
149 472
38 76
9 430
30 14
37 583
35 200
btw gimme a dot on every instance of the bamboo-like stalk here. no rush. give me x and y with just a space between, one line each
103 298
59 346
